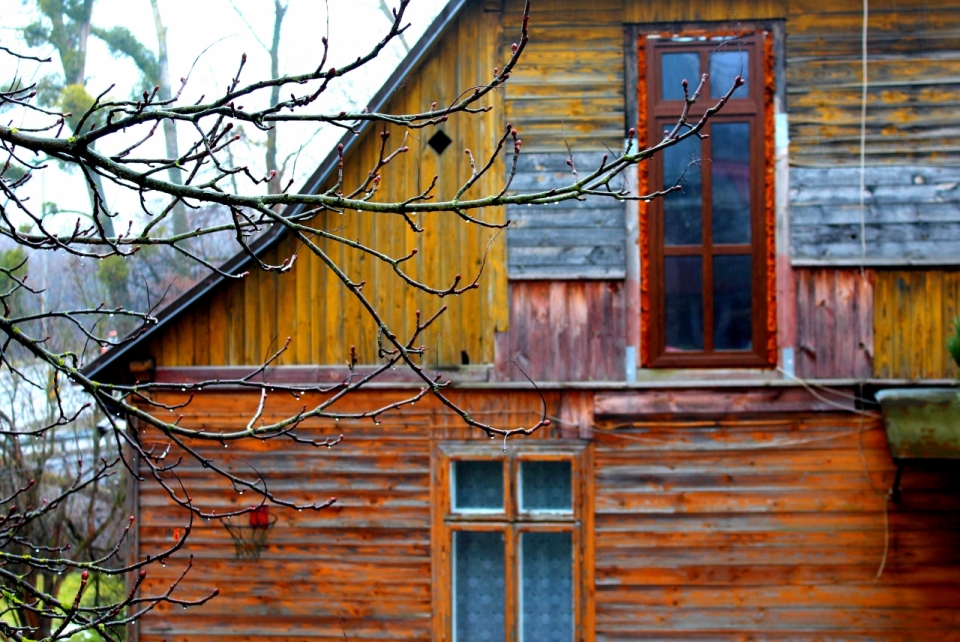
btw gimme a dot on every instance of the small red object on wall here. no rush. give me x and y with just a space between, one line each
260 517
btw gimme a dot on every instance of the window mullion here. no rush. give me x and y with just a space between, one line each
511 536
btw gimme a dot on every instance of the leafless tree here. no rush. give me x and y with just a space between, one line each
206 176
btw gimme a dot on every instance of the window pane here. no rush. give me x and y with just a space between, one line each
546 589
479 586
684 302
730 156
477 485
725 66
545 486
678 67
732 327
682 210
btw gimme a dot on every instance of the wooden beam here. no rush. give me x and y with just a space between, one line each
700 402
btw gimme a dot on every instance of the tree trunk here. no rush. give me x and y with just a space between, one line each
279 10
169 126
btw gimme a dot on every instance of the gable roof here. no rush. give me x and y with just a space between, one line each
105 365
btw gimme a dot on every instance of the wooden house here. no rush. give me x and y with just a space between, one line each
716 467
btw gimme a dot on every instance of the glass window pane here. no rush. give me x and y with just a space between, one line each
678 67
684 302
725 66
682 210
732 326
479 585
730 164
477 485
546 486
546 586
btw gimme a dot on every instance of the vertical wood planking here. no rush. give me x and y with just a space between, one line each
913 315
564 331
834 323
251 316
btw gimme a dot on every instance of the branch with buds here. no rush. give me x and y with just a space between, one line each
34 333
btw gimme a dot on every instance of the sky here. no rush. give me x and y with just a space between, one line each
210 36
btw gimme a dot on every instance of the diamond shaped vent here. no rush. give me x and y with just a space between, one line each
439 141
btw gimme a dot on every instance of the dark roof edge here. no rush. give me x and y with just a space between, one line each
236 263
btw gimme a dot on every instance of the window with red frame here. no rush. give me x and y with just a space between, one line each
709 252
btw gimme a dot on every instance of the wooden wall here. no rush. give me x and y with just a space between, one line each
564 331
913 315
242 322
914 76
834 324
571 240
569 87
566 97
364 562
912 205
911 215
770 529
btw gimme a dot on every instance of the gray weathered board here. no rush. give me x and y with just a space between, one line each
571 240
911 215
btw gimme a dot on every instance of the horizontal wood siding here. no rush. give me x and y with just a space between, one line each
772 530
911 213
575 239
242 322
914 82
568 89
913 315
564 331
638 11
912 204
363 563
834 324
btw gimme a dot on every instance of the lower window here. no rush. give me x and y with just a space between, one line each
509 560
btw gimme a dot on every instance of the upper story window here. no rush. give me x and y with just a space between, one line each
709 246
510 549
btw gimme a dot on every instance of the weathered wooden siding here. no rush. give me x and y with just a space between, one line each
914 78
573 240
566 95
913 315
770 529
564 331
912 205
834 324
693 11
364 562
242 322
569 87
911 214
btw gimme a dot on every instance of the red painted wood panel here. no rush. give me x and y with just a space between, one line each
834 323
564 331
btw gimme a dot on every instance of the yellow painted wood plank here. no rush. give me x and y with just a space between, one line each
882 338
201 333
704 10
934 330
951 309
250 318
217 332
252 313
303 291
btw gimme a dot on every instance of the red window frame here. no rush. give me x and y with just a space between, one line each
657 114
